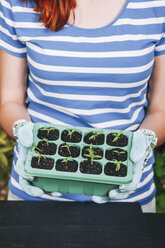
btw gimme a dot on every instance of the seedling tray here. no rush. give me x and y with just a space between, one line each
100 157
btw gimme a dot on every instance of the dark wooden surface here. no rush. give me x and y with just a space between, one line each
77 225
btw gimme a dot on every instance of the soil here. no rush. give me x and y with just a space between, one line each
46 148
121 141
50 135
98 140
70 166
42 163
75 137
97 151
117 153
88 168
110 170
73 151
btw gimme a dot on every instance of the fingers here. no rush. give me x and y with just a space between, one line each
20 172
21 161
136 178
100 199
116 194
139 146
55 194
29 189
25 134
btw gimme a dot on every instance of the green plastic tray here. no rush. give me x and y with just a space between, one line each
77 182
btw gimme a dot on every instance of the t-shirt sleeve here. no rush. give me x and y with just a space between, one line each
160 46
9 41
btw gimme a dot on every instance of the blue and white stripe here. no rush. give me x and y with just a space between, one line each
88 77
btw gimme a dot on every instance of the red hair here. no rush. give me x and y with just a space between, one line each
54 13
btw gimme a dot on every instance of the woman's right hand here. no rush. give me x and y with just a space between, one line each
23 130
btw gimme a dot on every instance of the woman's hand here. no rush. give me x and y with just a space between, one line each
142 144
23 130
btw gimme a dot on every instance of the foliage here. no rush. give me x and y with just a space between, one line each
159 169
6 157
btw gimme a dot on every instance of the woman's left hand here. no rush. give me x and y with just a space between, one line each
143 142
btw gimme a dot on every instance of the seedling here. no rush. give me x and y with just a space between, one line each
35 147
91 154
40 156
119 153
46 140
95 134
47 129
65 160
70 132
67 147
117 136
118 164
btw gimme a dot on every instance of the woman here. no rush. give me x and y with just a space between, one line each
90 64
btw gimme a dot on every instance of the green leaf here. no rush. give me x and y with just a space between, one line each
87 155
98 156
3 141
117 135
117 167
3 160
6 149
65 160
3 135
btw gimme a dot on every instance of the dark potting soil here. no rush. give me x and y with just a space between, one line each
88 168
110 170
69 150
117 153
97 152
46 148
98 140
121 141
46 134
70 166
75 137
42 163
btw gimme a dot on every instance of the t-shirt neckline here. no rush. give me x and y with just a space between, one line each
103 27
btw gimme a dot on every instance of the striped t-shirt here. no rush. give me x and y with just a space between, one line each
87 77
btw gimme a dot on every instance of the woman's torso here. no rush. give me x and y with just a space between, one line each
94 77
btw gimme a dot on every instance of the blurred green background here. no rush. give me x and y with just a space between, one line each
6 155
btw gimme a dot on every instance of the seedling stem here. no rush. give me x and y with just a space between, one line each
91 154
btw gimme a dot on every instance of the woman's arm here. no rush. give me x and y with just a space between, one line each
155 117
13 77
